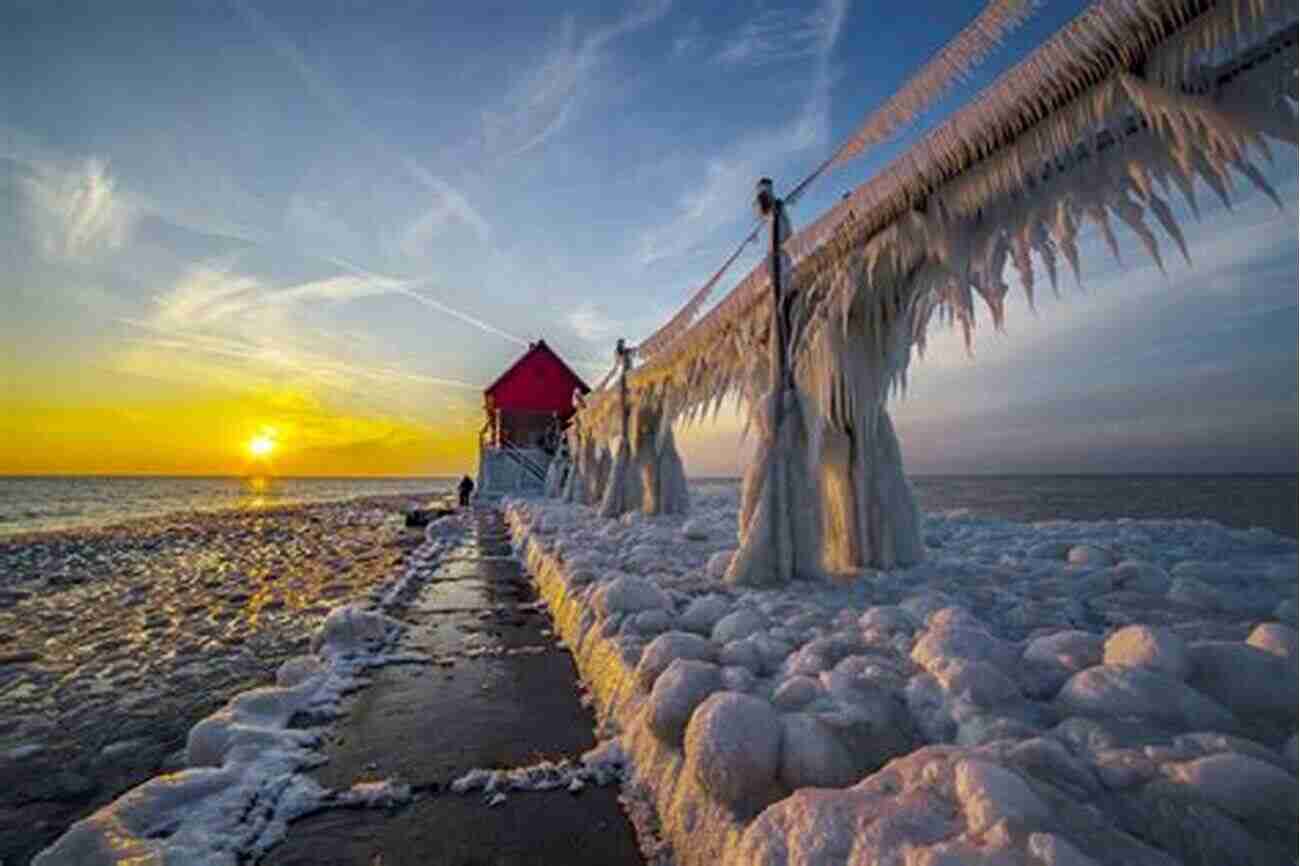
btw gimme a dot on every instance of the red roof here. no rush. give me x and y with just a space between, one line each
539 381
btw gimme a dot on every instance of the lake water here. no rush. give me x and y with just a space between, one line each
33 503
1243 501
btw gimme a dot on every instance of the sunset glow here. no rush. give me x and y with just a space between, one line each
261 446
282 240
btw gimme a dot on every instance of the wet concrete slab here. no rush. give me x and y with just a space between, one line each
502 694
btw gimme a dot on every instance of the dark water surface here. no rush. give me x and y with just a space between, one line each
1241 501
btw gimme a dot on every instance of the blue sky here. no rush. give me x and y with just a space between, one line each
340 223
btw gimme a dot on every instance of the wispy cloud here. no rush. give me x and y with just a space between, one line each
723 194
313 365
590 322
544 100
448 206
77 211
448 202
783 36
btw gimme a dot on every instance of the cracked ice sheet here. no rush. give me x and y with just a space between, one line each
973 650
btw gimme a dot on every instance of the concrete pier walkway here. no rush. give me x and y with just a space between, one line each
427 725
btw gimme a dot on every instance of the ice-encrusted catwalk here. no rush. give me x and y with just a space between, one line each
1113 692
246 764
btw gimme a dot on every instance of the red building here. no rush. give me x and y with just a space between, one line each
531 401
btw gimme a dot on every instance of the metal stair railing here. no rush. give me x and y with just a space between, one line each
524 462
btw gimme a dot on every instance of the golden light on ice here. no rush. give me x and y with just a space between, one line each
261 446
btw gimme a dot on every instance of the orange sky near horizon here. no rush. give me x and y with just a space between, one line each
211 436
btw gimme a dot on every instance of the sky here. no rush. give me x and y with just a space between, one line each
330 225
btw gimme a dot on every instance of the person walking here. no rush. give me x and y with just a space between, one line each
466 488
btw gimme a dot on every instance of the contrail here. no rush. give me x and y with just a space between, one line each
404 287
464 317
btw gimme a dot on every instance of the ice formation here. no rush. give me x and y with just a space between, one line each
1130 103
1013 697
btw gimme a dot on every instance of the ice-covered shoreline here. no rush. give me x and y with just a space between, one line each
114 642
1025 723
244 777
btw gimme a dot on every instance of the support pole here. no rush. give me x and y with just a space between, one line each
623 492
778 522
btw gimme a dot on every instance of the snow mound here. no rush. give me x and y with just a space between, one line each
667 648
733 746
1144 646
828 723
676 694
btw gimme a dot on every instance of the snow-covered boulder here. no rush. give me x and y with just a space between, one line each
978 682
1046 759
952 616
628 594
796 692
1049 550
1138 576
1074 650
297 669
738 624
1111 691
1195 593
889 619
744 654
1245 679
1237 784
703 613
873 722
654 621
988 794
1204 743
351 629
733 749
676 693
1089 554
695 530
812 754
253 720
738 679
923 604
1050 849
1151 647
667 648
1120 769
1275 638
940 646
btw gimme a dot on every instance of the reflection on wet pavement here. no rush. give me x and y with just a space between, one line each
501 694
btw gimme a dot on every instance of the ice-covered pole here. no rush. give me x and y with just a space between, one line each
623 492
778 526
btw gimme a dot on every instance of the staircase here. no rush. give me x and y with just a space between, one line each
510 469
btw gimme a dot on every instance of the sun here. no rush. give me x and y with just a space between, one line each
261 446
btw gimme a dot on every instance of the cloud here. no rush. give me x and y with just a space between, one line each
77 211
723 194
783 36
590 323
544 100
207 295
449 203
448 207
